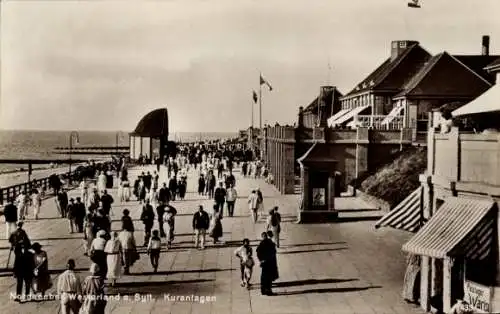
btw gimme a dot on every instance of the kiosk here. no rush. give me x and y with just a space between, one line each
318 176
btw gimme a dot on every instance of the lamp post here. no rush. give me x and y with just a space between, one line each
117 138
76 136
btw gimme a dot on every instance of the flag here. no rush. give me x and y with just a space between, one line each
263 81
255 97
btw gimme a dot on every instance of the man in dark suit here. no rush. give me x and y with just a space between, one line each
201 222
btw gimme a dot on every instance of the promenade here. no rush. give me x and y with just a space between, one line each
345 267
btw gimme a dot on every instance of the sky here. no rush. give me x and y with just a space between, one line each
102 65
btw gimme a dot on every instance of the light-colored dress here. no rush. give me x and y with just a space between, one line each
113 250
101 182
125 191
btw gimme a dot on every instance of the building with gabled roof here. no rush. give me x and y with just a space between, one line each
326 104
373 95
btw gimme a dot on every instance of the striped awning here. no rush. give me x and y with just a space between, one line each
407 215
460 227
339 114
349 115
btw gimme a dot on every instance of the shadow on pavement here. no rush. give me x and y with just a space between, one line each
189 271
312 244
356 219
159 287
313 250
327 290
310 282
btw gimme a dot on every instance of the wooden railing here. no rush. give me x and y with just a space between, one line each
71 181
375 121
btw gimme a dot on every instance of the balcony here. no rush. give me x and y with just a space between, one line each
377 122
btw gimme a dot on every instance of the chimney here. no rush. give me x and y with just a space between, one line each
486 46
300 122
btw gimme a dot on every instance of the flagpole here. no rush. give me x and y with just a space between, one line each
253 103
260 103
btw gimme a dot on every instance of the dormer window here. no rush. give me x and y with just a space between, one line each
402 44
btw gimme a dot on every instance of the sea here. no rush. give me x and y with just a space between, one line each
28 144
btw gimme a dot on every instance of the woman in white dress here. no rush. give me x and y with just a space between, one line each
113 250
101 182
125 190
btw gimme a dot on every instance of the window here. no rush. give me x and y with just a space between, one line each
402 44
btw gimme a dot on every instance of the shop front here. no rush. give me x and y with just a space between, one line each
459 246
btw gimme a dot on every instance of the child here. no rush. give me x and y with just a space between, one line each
244 253
154 248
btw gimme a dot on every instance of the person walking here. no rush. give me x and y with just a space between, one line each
273 224
160 212
220 198
129 248
41 276
148 219
36 201
211 184
266 253
88 233
10 215
62 202
260 200
79 213
245 254
22 205
231 197
70 215
93 293
24 264
127 222
113 250
97 254
201 222
182 186
172 187
125 190
153 250
106 201
253 204
101 182
68 288
216 224
169 218
93 201
164 194
201 185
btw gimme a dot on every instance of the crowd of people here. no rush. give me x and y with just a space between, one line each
114 253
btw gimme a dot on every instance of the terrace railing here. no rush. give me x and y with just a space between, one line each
375 122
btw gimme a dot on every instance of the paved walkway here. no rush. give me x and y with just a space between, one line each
346 267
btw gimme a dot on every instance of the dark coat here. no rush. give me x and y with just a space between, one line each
148 215
266 253
127 224
201 185
107 200
160 211
201 220
172 185
10 213
220 195
164 195
24 264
